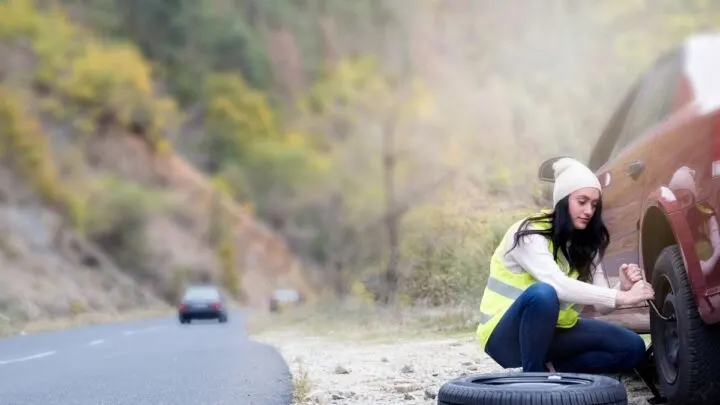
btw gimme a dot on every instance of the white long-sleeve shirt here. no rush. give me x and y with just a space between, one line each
533 255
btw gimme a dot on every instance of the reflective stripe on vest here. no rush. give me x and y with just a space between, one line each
504 287
510 292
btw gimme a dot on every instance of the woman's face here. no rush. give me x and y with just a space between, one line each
582 205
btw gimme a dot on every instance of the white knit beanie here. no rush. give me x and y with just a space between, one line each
683 179
570 176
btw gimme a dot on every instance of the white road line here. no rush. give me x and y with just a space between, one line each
33 357
146 330
97 342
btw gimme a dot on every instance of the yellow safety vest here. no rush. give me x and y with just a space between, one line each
504 287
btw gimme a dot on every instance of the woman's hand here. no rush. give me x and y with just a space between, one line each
629 275
639 292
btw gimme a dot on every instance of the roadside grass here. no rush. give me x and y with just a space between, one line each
354 321
9 327
302 385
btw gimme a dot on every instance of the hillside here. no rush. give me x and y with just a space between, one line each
385 145
98 212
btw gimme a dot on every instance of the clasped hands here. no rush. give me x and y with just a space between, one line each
633 287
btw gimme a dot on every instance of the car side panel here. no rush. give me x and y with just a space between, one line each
622 201
624 196
683 156
622 206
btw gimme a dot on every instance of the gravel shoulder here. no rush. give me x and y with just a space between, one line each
350 368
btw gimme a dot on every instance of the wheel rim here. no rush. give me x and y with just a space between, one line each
533 381
669 342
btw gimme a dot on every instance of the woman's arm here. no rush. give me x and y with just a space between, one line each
535 257
600 280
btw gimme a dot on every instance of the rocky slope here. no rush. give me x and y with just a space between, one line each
98 213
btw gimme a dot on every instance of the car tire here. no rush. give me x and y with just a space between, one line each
184 319
273 305
686 351
223 319
535 388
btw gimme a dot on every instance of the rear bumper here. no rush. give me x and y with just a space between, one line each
201 313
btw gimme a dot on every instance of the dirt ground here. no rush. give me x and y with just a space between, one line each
333 370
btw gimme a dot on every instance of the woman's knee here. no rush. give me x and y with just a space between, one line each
543 293
635 349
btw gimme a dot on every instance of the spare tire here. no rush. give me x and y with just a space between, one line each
533 388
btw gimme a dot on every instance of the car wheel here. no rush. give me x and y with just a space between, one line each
686 350
535 388
222 319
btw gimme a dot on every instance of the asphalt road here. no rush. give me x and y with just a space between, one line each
153 362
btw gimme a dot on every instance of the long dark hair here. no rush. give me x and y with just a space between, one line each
579 246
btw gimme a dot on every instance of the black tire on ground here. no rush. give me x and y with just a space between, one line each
533 388
222 319
694 377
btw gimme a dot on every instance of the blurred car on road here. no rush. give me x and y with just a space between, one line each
285 298
202 302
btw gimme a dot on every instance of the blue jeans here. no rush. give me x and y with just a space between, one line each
527 336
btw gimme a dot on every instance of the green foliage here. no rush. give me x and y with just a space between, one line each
449 252
236 117
250 147
25 145
191 39
223 236
230 273
88 78
283 165
117 212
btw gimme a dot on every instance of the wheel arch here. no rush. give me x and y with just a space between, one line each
663 225
656 223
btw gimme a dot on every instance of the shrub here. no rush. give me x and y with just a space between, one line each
117 212
24 145
236 117
90 78
448 252
223 237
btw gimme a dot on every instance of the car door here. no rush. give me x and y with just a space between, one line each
626 170
626 177
623 183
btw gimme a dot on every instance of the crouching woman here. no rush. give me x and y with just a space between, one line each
545 269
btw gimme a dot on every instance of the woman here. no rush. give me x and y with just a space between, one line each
542 273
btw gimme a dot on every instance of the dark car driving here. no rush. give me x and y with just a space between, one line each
202 302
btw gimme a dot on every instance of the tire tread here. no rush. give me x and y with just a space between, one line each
699 382
604 391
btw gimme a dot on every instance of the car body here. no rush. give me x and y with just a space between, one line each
285 298
658 160
202 302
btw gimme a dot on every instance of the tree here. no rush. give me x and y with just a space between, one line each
374 125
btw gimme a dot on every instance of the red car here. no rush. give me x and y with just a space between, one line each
658 160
